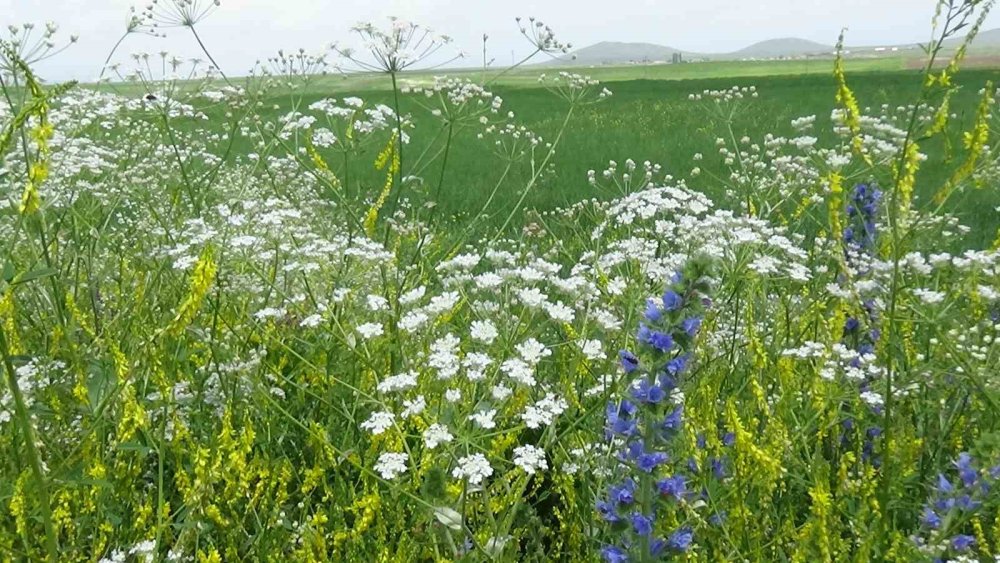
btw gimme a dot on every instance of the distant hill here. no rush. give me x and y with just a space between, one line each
617 53
784 47
988 39
611 52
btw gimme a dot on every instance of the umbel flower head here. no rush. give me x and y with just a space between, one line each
30 43
399 47
177 13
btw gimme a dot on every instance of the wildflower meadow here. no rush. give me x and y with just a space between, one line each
277 317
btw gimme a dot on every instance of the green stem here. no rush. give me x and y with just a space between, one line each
21 411
535 176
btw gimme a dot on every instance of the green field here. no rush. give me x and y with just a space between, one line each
649 117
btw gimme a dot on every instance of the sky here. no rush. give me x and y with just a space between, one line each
239 32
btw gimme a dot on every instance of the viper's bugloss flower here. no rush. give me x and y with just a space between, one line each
660 341
614 554
621 418
672 301
681 540
629 361
641 524
962 542
675 487
649 461
642 425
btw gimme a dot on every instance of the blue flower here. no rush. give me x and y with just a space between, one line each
675 487
719 467
672 301
647 462
624 493
646 392
653 312
930 519
642 524
607 511
674 420
691 326
614 554
728 439
962 542
681 539
661 341
944 485
966 472
629 361
621 418
677 365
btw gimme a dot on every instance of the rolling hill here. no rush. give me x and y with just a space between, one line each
618 53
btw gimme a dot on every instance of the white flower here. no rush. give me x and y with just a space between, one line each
928 296
484 419
501 392
532 351
437 434
312 321
453 395
378 422
413 320
412 296
531 297
473 467
560 312
872 398
414 407
544 411
443 357
519 371
391 465
592 349
370 330
483 331
399 382
530 459
988 293
377 303
269 313
475 365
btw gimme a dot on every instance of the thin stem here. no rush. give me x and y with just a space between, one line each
51 542
104 67
534 178
209 55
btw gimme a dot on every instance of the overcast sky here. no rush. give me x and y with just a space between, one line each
242 31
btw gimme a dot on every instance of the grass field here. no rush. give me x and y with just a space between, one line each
649 117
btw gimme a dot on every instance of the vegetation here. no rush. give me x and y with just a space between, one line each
398 317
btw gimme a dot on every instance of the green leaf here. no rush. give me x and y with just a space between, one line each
8 272
35 275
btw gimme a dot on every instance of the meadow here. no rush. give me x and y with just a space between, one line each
649 118
702 312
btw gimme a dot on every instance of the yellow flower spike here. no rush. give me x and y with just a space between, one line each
133 418
7 314
975 142
18 504
389 152
982 543
209 556
202 278
845 97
